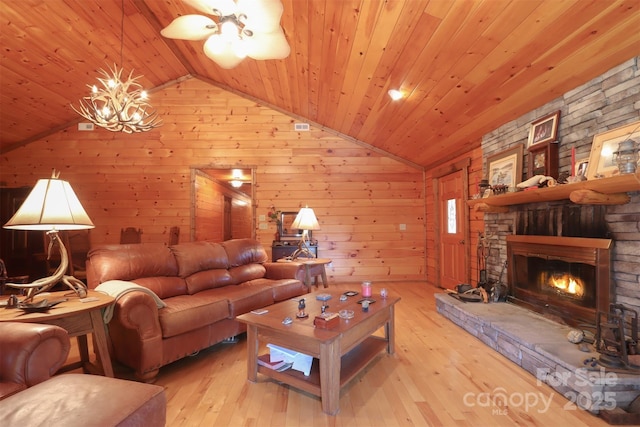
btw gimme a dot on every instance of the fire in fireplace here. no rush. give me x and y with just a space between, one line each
568 277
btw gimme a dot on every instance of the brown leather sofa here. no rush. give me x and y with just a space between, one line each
203 286
31 353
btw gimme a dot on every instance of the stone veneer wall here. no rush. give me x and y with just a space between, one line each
607 102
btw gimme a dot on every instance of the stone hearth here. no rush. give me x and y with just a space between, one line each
540 346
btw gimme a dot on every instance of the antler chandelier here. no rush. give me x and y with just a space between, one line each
243 28
117 105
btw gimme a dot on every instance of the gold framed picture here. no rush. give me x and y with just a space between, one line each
505 168
601 161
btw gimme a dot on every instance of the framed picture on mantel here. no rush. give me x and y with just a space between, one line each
505 168
544 130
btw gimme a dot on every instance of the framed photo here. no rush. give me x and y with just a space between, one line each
505 168
581 167
601 161
544 129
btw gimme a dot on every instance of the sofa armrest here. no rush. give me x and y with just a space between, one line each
31 352
284 270
135 332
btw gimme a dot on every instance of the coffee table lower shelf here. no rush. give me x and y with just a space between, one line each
351 364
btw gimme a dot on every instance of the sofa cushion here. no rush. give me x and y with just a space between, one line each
245 297
208 279
285 289
185 313
244 273
163 287
244 251
135 261
193 257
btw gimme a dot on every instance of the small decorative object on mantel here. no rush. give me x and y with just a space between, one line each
538 181
627 156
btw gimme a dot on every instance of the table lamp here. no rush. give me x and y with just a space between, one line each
305 220
51 206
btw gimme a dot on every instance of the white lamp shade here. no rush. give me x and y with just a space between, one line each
306 220
51 205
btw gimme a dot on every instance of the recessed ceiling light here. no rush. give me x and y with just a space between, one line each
395 94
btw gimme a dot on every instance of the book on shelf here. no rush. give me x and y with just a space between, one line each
281 365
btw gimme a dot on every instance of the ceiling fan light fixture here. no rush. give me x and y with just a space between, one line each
244 28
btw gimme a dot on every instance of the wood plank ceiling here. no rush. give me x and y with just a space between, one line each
467 66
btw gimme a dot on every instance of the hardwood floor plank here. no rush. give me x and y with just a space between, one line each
439 376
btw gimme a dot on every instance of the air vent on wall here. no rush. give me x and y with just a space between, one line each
301 126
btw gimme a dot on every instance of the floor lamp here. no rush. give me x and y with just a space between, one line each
305 220
52 206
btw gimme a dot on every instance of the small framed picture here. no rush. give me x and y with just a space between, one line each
601 160
581 168
505 168
544 129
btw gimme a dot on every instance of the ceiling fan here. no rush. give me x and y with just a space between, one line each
242 28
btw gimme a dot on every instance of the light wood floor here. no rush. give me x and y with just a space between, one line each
439 376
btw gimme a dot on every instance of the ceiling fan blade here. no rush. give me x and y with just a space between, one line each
226 7
190 27
271 45
262 16
221 53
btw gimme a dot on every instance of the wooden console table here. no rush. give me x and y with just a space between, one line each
78 318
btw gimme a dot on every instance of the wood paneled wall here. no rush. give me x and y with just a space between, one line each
360 196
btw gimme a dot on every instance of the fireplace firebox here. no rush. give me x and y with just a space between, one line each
566 277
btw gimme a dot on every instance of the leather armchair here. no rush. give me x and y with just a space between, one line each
30 354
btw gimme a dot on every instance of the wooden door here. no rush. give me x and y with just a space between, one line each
452 229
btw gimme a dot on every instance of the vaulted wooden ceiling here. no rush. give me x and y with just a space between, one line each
467 66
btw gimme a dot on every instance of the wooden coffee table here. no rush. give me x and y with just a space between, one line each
339 353
78 318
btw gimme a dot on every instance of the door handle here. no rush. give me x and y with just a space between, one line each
461 242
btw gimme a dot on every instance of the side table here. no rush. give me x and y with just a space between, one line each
78 318
313 267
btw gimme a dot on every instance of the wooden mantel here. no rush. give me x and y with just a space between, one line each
610 191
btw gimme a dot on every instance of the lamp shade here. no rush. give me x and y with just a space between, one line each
51 205
306 220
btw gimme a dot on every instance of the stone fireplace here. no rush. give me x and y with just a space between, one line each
567 278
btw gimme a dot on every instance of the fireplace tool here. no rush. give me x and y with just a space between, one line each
617 337
499 290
